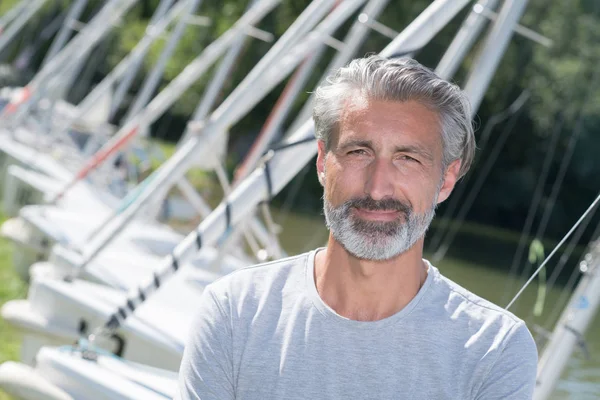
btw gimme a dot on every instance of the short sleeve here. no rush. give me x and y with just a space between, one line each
206 367
513 374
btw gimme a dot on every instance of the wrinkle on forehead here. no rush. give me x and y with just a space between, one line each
420 117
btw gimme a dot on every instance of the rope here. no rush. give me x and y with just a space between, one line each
534 205
512 111
458 191
543 264
574 274
491 160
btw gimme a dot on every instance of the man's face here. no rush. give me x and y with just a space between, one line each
383 176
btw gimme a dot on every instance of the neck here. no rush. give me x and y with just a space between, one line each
365 290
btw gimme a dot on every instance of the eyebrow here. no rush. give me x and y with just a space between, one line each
357 143
411 149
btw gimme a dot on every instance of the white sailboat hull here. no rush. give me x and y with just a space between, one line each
63 374
57 312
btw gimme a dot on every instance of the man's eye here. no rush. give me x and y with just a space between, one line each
358 152
408 158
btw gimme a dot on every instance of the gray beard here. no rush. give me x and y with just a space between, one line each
376 240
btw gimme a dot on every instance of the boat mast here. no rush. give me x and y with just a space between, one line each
25 14
151 82
59 69
63 35
124 85
572 324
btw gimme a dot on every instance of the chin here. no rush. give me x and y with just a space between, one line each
365 248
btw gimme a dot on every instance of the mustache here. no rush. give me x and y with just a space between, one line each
388 204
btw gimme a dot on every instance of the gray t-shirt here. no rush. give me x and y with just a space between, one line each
263 332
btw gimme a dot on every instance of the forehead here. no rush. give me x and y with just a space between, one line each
391 122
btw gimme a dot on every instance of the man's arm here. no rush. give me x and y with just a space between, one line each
206 370
513 374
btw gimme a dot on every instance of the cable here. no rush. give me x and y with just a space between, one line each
568 289
543 264
537 198
458 192
491 160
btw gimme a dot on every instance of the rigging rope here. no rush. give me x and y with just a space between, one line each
487 167
458 192
568 289
543 264
537 198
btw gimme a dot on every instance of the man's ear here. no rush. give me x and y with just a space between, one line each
451 176
321 153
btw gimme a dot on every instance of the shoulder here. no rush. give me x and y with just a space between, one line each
477 321
495 345
256 280
461 302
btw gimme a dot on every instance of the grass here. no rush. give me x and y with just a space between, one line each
11 287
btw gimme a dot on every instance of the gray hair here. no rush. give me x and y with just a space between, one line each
400 79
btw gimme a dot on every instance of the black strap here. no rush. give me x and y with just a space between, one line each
227 214
198 240
156 281
269 180
175 263
113 322
284 146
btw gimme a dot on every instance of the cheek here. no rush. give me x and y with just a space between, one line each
342 183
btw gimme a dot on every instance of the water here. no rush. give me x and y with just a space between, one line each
481 265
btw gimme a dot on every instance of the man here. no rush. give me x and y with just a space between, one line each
366 317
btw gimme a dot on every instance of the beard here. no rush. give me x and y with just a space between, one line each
376 240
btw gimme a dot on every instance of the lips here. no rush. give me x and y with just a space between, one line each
377 215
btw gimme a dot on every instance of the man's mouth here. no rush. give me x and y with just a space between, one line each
377 215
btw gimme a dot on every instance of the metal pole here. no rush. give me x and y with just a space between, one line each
315 11
353 40
571 326
78 48
64 33
125 83
151 83
278 114
19 22
464 39
494 47
12 14
216 83
135 56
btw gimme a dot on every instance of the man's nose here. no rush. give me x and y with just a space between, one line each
380 179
